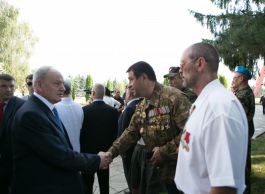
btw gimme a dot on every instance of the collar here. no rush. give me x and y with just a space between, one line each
132 101
206 91
98 100
44 100
66 99
155 96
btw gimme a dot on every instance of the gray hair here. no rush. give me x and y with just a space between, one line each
68 86
99 90
40 74
207 51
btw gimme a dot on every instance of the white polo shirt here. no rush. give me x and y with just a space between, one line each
216 136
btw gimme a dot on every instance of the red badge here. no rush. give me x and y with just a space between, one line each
159 111
187 137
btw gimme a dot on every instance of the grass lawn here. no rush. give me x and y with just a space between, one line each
258 165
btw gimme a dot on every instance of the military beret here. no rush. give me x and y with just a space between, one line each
172 72
241 69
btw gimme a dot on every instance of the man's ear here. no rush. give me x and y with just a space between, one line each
201 62
38 84
144 76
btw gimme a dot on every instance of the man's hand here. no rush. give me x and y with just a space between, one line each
105 160
121 109
109 154
156 158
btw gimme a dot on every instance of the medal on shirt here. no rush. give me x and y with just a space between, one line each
185 139
159 118
140 113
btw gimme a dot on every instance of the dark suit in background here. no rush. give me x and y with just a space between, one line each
123 123
98 132
14 103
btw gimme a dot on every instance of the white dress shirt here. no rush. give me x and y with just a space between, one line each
112 102
216 137
71 115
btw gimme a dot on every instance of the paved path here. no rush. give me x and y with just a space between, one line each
117 179
259 122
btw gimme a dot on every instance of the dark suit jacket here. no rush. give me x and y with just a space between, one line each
44 161
126 116
262 100
124 122
99 128
13 105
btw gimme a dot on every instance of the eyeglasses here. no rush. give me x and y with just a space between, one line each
29 83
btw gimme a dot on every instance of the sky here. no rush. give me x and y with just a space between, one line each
103 38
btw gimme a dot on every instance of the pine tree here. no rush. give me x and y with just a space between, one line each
239 32
73 90
89 85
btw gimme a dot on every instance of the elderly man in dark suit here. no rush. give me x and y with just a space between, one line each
44 161
98 132
9 104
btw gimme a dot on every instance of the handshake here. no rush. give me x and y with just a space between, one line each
105 159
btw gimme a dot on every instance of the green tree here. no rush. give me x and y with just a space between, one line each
115 84
120 86
17 43
73 90
110 85
223 80
89 85
238 32
165 82
80 85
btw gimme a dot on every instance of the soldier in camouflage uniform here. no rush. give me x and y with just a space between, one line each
158 121
176 81
246 96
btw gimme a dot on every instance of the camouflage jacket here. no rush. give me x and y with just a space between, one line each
247 99
160 124
190 94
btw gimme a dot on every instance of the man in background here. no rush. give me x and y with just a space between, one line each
98 132
108 99
29 83
43 157
119 98
124 120
215 131
262 102
71 114
9 104
123 95
246 96
176 81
